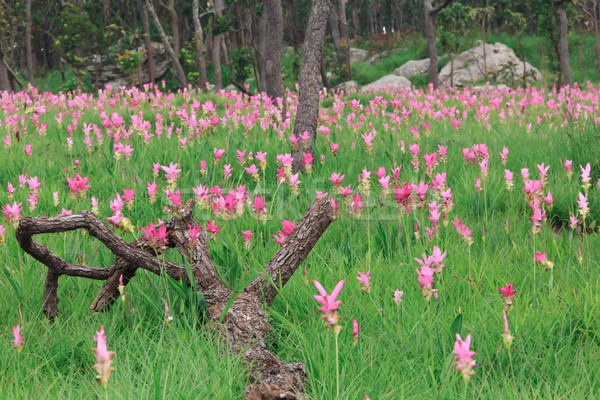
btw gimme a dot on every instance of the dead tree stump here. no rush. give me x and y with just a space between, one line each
243 321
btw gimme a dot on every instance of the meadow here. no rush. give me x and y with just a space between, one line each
408 171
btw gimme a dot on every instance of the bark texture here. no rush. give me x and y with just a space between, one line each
240 317
147 41
269 51
200 46
307 116
563 45
429 32
169 49
28 51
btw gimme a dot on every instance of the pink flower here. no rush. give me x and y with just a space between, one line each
157 239
364 280
78 186
507 338
104 358
193 234
12 214
426 282
212 229
18 341
329 304
168 318
354 331
398 296
247 237
464 357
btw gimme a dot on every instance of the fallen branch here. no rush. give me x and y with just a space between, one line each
244 322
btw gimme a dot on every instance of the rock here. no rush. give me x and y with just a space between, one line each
413 68
502 64
357 55
388 81
109 74
231 88
348 86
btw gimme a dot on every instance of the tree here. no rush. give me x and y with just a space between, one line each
483 14
518 23
563 52
269 50
28 51
200 46
216 46
453 21
163 38
429 31
307 116
147 41
591 9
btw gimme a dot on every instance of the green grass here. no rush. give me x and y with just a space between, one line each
402 352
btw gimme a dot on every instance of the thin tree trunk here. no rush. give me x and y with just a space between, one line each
307 116
174 21
147 40
28 51
565 68
483 44
178 70
429 32
216 49
355 24
340 45
269 48
580 47
4 81
200 46
596 16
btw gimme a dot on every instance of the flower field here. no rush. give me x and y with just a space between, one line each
465 249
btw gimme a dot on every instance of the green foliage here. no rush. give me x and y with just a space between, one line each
241 60
453 21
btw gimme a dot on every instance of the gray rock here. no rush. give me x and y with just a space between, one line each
348 86
413 68
287 51
502 66
490 87
388 81
231 88
109 74
357 55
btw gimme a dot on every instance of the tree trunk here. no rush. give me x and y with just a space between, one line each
216 49
307 116
28 51
565 68
174 21
342 50
178 70
429 31
200 46
580 47
355 24
596 16
269 48
147 41
4 81
483 44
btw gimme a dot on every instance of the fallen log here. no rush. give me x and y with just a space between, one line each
241 316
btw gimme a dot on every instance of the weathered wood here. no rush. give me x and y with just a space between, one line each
241 317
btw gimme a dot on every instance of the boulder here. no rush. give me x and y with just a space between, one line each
502 64
388 81
357 55
110 74
413 68
490 88
348 86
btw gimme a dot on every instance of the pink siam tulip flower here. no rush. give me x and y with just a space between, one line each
569 168
463 231
295 184
508 296
157 239
168 318
104 358
247 238
583 206
193 234
504 155
365 281
152 190
12 214
175 199
78 186
128 197
94 202
354 331
329 305
203 170
437 259
477 184
308 160
260 208
252 170
336 180
573 221
334 149
18 340
549 200
261 157
464 357
356 205
11 190
217 155
227 170
65 213
508 176
398 296
212 229
542 258
55 199
585 177
443 153
426 282
2 237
